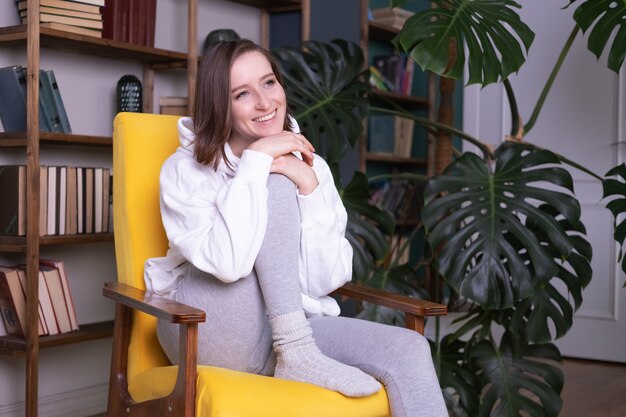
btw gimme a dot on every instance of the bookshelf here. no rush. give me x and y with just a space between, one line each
32 37
376 37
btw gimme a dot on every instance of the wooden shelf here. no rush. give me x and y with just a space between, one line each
413 102
383 157
18 139
271 4
89 45
18 243
381 32
16 346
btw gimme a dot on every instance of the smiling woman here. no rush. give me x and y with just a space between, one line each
256 231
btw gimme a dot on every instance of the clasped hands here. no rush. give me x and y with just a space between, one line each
281 147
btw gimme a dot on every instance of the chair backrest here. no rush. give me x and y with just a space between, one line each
141 143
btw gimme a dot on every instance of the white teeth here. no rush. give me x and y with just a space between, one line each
264 118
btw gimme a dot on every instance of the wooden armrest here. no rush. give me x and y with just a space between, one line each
152 304
399 302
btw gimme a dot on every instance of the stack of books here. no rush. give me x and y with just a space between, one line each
56 308
394 18
391 135
52 114
73 200
77 16
392 73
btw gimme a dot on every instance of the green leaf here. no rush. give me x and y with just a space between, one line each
518 381
458 382
606 17
326 93
546 304
493 33
471 214
614 185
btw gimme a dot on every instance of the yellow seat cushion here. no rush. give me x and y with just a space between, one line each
226 393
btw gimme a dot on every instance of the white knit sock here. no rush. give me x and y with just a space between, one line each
299 359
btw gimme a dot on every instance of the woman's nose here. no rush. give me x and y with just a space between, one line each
262 101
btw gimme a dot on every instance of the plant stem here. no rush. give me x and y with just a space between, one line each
515 125
439 126
550 81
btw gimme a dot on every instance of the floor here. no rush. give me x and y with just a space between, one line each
592 389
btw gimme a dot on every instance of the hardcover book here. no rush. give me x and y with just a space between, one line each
62 5
52 279
12 302
59 265
13 207
51 85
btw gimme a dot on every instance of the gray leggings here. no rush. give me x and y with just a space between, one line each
237 334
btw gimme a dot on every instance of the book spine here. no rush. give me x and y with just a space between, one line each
10 315
13 98
58 102
9 209
47 106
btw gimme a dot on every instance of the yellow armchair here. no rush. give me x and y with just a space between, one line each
143 382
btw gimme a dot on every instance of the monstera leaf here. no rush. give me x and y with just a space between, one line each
326 93
616 187
471 212
605 16
366 224
547 304
489 29
515 382
459 383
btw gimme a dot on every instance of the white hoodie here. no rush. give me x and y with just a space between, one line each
216 220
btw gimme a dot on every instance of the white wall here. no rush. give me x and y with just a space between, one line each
73 379
582 119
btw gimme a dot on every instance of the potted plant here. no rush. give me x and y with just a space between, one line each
496 237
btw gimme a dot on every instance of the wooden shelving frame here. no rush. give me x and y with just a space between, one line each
34 37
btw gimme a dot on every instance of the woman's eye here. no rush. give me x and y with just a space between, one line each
270 83
241 95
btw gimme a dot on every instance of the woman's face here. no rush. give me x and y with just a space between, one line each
258 102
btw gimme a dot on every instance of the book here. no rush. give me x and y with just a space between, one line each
61 12
93 2
13 206
47 106
106 192
381 133
52 279
63 5
43 200
42 328
13 98
46 312
88 198
61 199
69 303
80 225
50 82
394 17
72 21
51 200
98 200
71 227
403 136
73 29
12 302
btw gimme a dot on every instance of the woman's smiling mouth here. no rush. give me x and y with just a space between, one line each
266 118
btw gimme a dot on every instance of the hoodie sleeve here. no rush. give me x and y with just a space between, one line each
217 224
325 253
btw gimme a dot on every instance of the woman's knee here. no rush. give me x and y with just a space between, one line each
277 183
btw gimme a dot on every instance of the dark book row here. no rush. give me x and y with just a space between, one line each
392 73
403 199
72 200
52 114
129 21
55 306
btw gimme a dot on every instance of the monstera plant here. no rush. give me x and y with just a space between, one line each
504 227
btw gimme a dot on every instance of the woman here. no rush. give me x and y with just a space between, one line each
256 232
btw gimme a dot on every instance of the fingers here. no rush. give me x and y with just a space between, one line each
305 148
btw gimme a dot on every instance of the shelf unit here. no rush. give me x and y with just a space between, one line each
34 37
374 31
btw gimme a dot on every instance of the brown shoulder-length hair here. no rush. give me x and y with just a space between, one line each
212 121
